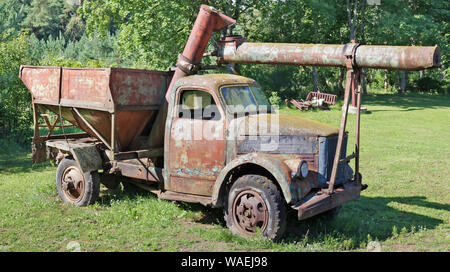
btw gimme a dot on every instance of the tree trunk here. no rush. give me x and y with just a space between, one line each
341 81
385 80
314 71
402 78
363 81
363 40
350 23
314 75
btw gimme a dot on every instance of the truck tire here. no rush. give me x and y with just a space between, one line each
75 187
254 202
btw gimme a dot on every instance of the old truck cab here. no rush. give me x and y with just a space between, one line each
225 141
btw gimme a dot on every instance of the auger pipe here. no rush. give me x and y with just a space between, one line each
237 50
208 21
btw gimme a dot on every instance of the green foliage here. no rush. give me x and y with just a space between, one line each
12 13
22 49
426 84
151 34
48 17
15 110
274 99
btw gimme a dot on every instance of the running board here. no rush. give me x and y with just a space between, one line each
174 196
169 195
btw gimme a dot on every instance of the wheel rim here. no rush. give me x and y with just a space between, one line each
72 184
250 212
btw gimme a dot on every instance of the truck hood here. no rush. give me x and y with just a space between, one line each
288 125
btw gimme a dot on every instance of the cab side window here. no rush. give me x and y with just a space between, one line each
196 104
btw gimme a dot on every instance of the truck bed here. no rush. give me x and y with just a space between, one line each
114 105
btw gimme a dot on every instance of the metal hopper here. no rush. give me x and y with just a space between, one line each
113 105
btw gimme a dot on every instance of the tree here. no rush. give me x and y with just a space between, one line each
12 13
48 17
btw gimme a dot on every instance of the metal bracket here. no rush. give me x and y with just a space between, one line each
186 65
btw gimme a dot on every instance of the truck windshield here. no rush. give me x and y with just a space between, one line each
245 98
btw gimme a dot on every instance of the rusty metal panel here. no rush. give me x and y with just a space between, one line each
284 144
142 89
195 159
272 163
86 88
38 150
43 83
87 157
193 186
129 125
320 202
137 168
301 187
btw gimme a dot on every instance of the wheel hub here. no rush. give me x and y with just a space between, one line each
72 183
250 212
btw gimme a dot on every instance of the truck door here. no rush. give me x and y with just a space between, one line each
197 142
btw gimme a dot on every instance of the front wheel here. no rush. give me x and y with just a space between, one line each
74 186
255 203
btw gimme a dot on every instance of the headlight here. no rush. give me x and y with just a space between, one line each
302 171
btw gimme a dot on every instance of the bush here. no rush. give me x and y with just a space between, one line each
274 99
15 100
16 117
427 84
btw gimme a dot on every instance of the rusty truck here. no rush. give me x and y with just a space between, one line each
140 127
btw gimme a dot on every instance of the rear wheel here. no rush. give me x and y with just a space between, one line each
74 186
255 203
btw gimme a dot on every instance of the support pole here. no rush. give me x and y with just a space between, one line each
348 87
353 88
358 122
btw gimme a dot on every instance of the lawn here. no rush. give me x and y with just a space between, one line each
405 160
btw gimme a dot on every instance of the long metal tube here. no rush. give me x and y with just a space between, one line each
366 56
208 21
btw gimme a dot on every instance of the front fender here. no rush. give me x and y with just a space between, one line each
274 165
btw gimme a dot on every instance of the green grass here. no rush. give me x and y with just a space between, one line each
405 160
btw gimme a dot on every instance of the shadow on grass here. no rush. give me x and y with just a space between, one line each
20 163
209 215
409 102
107 196
367 216
357 220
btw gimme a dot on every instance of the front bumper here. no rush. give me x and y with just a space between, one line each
319 202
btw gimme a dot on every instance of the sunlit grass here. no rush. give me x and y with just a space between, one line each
405 160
